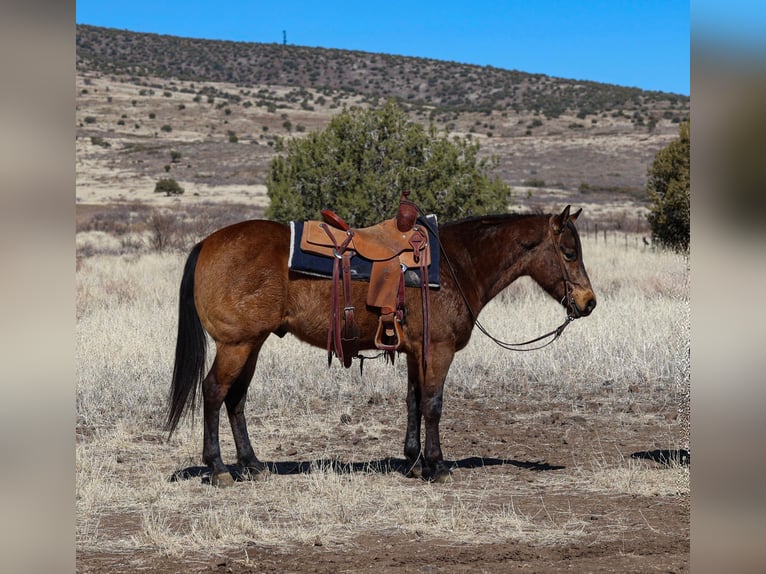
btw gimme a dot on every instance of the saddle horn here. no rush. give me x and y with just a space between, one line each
407 213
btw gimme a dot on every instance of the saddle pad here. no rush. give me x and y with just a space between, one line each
361 268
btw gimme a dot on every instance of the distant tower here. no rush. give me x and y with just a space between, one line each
284 37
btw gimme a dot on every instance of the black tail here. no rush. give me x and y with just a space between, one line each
191 348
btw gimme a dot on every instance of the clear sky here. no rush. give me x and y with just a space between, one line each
636 43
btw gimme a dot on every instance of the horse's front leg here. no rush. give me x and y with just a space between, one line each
431 407
412 436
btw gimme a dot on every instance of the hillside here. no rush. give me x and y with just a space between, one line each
141 96
445 86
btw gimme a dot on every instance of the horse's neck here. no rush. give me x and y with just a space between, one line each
492 253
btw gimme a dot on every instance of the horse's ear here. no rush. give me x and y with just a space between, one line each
560 221
575 215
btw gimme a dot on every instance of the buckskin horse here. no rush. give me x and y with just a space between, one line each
237 287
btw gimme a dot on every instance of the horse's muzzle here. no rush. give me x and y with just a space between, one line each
589 306
583 309
582 304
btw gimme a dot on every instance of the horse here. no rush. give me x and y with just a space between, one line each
237 287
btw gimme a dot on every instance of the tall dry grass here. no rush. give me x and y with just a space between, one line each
126 327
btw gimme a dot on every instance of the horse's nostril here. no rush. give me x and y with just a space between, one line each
589 306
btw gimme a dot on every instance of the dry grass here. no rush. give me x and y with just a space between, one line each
624 361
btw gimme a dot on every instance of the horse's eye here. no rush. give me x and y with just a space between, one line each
569 254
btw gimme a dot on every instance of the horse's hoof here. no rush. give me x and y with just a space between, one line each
222 480
260 472
442 477
415 471
440 474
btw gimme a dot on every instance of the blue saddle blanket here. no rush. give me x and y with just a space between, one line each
318 266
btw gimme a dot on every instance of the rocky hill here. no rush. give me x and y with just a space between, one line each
443 86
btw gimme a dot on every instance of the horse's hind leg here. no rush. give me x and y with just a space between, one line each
230 362
235 407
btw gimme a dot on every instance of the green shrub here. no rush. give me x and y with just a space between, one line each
359 165
168 186
669 189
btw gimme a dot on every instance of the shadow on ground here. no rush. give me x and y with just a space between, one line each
383 466
664 456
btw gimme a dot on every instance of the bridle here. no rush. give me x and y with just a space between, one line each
555 236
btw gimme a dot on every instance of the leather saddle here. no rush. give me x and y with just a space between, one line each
393 246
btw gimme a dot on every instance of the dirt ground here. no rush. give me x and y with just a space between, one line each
547 450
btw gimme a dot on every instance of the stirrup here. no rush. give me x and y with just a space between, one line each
390 328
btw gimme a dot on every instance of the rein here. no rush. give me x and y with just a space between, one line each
556 333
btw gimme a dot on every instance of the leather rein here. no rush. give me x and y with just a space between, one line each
555 333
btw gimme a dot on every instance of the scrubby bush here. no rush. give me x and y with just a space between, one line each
168 186
359 165
669 189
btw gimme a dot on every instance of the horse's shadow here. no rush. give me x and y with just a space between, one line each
666 457
382 466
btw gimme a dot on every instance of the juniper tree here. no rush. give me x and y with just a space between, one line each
669 189
359 165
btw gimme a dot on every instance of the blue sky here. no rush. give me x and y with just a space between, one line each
638 43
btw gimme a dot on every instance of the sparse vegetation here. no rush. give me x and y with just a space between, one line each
118 51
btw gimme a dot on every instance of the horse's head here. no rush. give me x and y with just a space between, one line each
561 271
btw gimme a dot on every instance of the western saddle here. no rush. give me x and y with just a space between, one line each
393 246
